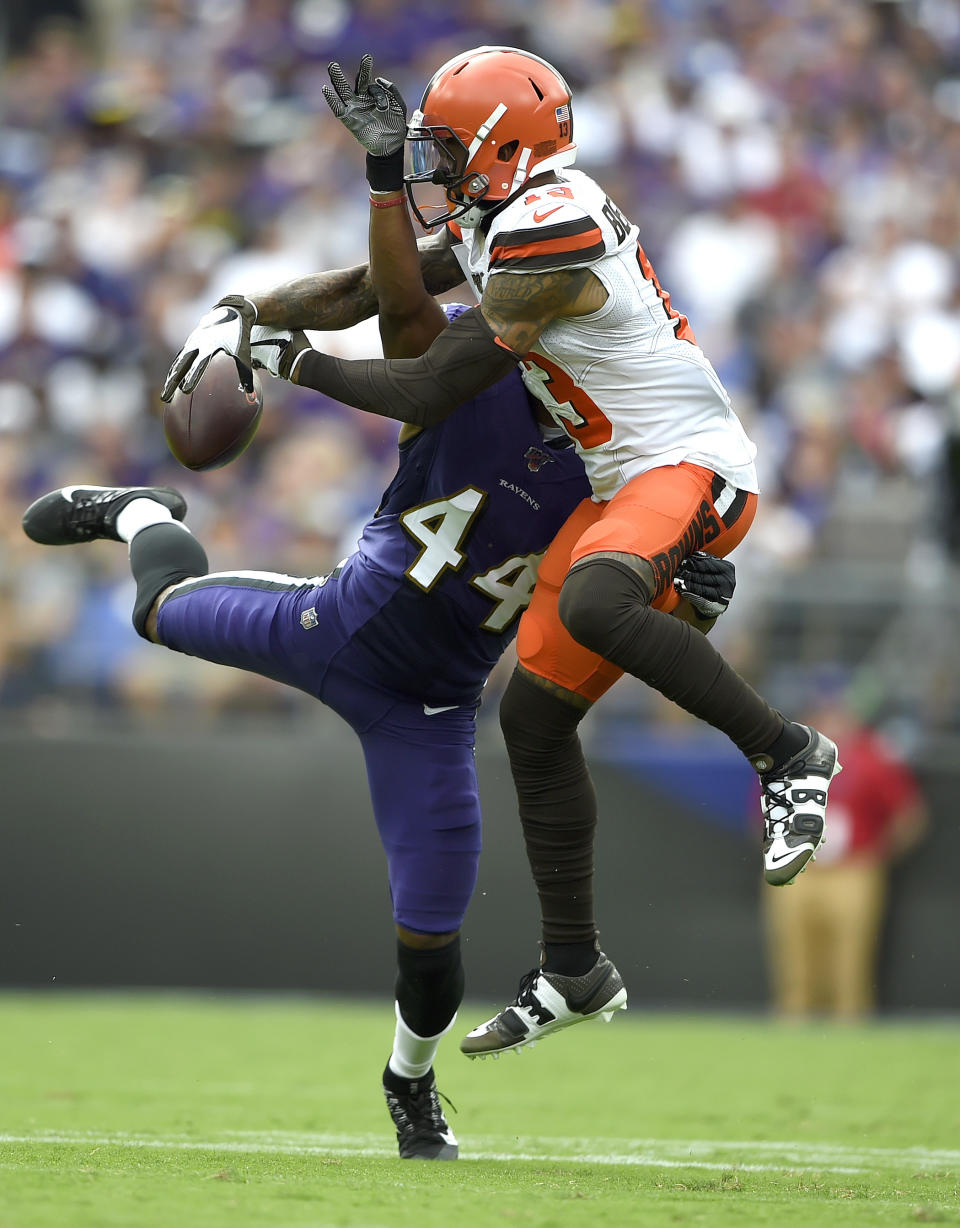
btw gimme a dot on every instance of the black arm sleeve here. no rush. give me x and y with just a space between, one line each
465 359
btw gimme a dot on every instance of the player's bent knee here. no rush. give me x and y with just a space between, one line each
599 595
533 719
160 556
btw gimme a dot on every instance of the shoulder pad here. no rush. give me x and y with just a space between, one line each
546 228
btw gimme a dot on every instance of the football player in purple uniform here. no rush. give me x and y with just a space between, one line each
400 637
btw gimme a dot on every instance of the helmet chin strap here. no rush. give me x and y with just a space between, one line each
474 216
520 174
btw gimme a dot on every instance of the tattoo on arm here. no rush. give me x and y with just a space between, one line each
323 301
519 306
344 297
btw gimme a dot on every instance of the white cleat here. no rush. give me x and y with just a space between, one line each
794 804
547 1002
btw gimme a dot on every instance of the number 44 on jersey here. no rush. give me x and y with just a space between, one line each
441 529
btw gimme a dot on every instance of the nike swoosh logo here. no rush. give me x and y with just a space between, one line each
540 215
775 861
428 711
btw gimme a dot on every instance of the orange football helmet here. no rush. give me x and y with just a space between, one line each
489 120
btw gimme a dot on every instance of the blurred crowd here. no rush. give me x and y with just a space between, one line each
794 166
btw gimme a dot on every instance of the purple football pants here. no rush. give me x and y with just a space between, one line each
420 767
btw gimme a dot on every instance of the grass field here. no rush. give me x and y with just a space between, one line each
201 1112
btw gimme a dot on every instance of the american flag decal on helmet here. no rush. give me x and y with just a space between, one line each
536 458
563 114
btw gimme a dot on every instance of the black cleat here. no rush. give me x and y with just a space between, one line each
85 513
794 804
422 1130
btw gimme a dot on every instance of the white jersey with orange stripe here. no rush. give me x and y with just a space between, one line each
628 383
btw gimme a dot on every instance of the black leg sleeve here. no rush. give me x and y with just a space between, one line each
558 806
429 986
604 606
162 555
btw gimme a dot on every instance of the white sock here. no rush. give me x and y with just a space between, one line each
141 514
413 1055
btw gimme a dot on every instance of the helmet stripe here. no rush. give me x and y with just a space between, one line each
485 129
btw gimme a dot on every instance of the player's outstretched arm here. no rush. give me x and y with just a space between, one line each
373 111
399 283
469 356
344 297
465 359
321 301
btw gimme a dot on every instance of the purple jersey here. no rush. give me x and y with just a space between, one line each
446 566
400 638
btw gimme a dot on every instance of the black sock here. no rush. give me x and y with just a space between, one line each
569 958
429 986
161 555
793 739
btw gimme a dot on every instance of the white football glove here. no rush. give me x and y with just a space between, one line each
373 110
226 327
277 350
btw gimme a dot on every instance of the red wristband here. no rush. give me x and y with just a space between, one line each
389 204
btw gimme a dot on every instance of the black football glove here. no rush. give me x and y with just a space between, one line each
373 110
226 327
277 350
707 583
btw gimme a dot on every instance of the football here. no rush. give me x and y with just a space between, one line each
211 426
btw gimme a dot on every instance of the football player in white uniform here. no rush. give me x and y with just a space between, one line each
567 291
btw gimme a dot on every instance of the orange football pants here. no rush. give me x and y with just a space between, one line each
662 516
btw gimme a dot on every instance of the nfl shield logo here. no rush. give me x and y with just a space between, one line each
308 619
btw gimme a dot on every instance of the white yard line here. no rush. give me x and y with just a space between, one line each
710 1154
